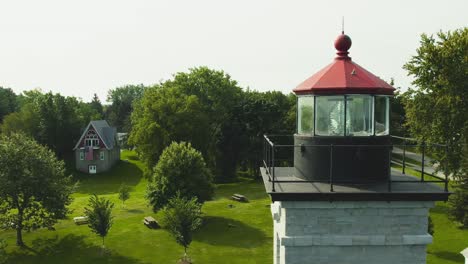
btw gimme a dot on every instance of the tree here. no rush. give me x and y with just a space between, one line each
124 193
51 119
163 115
34 191
182 216
181 168
8 102
97 107
258 114
122 100
99 216
436 111
24 121
218 94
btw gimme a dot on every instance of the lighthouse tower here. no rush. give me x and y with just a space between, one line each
335 197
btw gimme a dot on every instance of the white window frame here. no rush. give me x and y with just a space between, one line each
91 139
82 155
101 155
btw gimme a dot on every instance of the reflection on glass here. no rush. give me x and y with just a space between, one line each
359 115
381 115
305 115
330 116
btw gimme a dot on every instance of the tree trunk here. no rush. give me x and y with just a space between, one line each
19 237
103 247
19 228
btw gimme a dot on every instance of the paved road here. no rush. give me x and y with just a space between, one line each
430 164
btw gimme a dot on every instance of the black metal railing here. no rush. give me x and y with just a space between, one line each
278 151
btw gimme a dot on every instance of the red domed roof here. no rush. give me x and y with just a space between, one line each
343 76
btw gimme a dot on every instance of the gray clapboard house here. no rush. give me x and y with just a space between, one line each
97 150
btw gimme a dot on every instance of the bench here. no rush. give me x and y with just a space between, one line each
239 197
80 220
150 222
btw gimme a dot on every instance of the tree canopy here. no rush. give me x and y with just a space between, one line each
122 100
51 119
34 191
181 168
437 110
165 115
8 102
208 109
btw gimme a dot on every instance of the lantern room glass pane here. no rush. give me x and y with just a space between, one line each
329 116
359 119
305 115
382 112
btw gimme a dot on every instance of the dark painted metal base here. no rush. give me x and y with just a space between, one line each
403 188
353 159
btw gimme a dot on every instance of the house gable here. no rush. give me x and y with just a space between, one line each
102 129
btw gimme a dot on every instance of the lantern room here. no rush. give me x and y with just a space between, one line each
343 104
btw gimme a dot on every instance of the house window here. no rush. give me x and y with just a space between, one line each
101 155
91 139
81 155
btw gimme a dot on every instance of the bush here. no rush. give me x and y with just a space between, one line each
180 168
3 255
459 205
459 199
430 226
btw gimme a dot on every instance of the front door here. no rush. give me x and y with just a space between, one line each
92 169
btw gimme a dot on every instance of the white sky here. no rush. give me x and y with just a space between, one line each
90 46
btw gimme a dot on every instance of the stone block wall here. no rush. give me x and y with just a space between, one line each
350 232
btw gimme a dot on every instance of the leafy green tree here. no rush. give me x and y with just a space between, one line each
99 215
181 168
122 100
262 113
218 94
164 115
51 119
8 102
436 110
25 121
182 216
96 105
34 191
124 193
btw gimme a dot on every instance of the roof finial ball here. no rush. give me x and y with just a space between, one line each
342 45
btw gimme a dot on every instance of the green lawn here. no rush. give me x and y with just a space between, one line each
242 234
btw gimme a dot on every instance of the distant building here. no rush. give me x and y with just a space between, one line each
97 150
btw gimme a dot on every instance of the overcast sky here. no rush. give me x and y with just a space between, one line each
84 47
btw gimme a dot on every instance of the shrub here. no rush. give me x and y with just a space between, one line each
3 255
180 168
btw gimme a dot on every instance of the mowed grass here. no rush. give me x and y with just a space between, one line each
242 234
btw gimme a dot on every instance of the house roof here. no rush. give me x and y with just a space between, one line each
105 132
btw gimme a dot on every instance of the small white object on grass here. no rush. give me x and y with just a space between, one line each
465 254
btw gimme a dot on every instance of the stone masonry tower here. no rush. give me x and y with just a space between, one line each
335 197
